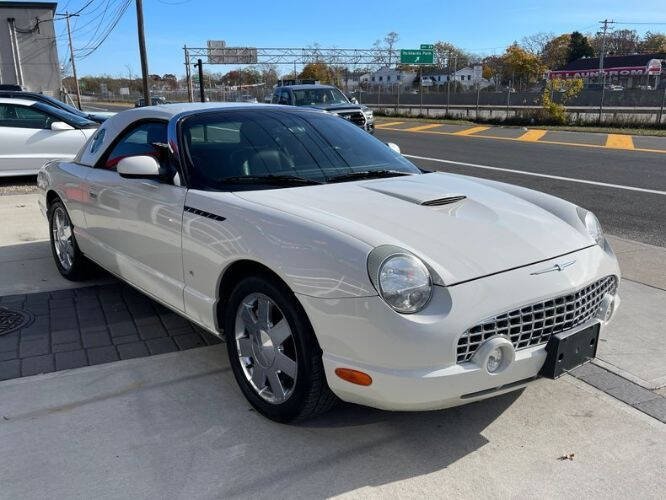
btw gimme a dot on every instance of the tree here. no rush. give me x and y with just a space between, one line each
536 44
617 42
522 65
446 50
579 47
494 69
555 53
318 70
385 52
567 90
653 42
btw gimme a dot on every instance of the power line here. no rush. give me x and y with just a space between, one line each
92 45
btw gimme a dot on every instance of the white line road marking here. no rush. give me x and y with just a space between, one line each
534 174
94 108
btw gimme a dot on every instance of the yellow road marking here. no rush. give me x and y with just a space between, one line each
424 127
388 124
471 131
618 141
496 137
532 135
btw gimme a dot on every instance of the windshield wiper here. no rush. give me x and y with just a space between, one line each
275 180
366 174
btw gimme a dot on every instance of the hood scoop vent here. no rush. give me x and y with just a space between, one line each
445 200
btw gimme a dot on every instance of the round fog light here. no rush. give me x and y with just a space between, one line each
494 360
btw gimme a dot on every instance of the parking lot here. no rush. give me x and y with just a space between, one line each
109 395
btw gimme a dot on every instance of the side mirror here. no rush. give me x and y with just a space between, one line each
394 147
143 166
353 100
59 126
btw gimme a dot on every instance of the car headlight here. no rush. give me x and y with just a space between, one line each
403 281
368 113
592 225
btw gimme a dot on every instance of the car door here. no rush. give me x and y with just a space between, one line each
134 225
27 141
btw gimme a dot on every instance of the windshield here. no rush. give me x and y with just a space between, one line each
309 97
224 147
65 106
62 115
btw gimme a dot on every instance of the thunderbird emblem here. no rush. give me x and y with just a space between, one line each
556 267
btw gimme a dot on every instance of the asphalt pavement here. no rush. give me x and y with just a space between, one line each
607 174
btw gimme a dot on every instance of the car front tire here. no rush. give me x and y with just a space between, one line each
273 352
69 260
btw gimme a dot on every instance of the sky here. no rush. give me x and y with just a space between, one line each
481 26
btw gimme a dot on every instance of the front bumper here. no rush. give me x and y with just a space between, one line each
412 358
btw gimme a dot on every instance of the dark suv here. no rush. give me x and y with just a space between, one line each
327 98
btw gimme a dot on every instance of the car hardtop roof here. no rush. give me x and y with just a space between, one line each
16 100
167 111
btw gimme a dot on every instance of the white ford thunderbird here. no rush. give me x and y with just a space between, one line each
334 266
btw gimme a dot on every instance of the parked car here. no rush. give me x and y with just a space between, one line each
334 266
97 116
327 98
154 101
32 132
247 98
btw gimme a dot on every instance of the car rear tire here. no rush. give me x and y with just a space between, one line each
273 351
69 260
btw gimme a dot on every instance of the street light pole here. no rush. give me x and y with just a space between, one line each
202 93
142 52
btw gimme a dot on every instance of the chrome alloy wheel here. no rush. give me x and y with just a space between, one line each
63 241
266 348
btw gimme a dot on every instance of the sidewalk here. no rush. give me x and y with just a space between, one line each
176 426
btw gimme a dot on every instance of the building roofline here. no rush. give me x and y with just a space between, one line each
35 5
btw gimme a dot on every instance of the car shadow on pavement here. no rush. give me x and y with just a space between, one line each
354 447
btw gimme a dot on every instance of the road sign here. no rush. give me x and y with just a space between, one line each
416 56
219 53
427 46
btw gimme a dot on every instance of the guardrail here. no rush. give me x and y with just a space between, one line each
484 112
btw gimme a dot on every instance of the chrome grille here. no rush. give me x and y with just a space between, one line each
534 324
355 117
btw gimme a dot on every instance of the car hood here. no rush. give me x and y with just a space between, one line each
335 108
486 232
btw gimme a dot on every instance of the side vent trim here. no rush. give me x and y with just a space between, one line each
203 213
444 201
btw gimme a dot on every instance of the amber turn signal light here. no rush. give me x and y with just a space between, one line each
353 376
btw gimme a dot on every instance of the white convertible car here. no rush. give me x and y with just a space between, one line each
333 265
33 132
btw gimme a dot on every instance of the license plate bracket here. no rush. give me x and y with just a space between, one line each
567 350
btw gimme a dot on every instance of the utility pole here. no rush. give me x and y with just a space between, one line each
602 73
188 75
71 56
142 52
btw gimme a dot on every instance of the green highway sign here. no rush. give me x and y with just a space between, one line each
416 56
427 46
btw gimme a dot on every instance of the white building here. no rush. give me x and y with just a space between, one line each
389 78
467 76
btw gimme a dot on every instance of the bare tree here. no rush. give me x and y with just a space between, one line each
536 43
390 40
385 49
